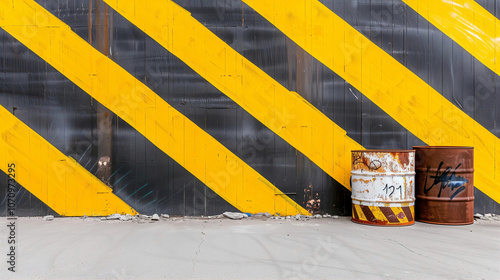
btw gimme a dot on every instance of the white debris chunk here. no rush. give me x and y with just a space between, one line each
335 217
234 215
126 217
317 216
48 218
114 216
327 216
165 216
478 216
155 217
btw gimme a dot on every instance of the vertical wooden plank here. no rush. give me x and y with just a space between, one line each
353 98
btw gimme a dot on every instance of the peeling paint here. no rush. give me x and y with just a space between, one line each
382 189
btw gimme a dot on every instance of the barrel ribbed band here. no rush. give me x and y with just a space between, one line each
379 215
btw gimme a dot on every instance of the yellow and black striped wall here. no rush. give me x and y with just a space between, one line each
229 105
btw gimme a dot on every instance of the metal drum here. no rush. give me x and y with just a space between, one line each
383 187
445 185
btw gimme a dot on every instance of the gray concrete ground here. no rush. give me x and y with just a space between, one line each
254 248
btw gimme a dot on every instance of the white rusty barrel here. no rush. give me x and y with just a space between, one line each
383 187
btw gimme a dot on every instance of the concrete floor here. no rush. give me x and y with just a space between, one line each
255 248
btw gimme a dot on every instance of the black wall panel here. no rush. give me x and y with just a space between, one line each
151 182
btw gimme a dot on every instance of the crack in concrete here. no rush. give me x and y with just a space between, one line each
199 247
425 256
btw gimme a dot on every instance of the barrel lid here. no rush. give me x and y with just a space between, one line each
383 151
442 147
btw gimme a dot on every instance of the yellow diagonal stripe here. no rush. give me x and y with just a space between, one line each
286 113
390 85
467 23
377 213
398 210
150 115
360 213
57 180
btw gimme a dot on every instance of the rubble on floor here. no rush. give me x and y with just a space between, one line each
48 218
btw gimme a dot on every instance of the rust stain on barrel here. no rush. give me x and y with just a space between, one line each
403 158
444 185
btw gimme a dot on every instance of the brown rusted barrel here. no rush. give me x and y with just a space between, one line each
383 187
444 185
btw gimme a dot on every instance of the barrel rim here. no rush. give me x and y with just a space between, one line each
383 151
445 223
442 147
369 223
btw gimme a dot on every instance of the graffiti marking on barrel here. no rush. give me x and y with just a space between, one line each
357 157
447 178
391 189
374 165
